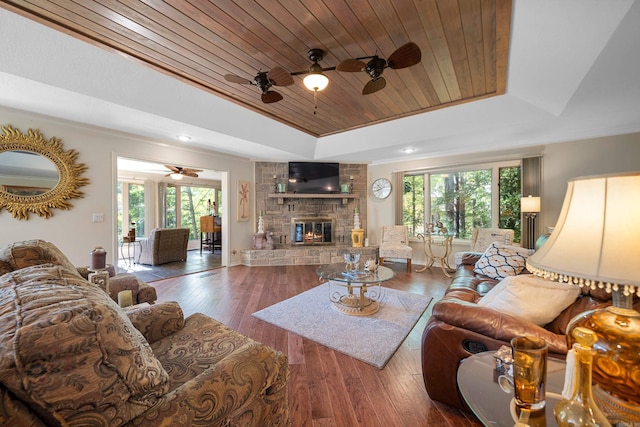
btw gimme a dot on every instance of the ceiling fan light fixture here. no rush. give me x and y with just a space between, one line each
315 80
177 176
184 138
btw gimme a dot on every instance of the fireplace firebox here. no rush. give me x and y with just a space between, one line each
312 231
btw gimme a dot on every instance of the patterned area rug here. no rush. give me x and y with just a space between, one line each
372 339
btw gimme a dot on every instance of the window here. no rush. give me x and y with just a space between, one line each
463 199
194 204
130 207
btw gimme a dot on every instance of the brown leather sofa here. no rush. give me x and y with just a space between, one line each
459 328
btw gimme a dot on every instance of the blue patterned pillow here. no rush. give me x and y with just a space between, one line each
500 261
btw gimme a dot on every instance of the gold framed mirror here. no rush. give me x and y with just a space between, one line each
37 175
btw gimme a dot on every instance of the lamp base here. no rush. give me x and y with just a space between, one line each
616 363
617 411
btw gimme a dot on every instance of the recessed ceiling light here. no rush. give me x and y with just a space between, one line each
184 138
409 150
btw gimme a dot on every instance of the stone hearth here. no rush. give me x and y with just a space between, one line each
304 255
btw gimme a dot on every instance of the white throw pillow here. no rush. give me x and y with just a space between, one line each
532 298
500 261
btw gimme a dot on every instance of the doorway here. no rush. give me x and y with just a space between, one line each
149 197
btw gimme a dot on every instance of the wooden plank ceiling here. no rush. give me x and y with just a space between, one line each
464 47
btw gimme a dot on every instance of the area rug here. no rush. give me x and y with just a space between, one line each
372 339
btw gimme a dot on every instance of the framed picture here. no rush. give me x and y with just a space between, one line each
244 199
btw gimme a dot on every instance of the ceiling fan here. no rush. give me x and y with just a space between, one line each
264 80
314 79
178 172
405 56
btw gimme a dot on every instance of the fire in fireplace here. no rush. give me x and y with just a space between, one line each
312 231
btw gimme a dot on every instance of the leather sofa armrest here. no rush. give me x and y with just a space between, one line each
467 258
493 324
156 321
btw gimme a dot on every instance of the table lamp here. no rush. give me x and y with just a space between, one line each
596 244
530 206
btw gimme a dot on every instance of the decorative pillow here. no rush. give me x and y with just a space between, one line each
532 298
500 261
67 349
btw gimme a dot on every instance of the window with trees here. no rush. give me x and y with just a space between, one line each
463 199
130 207
194 204
184 206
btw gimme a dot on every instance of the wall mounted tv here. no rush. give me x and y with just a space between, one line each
314 178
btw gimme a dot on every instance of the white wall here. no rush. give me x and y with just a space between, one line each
561 162
73 231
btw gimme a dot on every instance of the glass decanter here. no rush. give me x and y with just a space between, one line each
580 409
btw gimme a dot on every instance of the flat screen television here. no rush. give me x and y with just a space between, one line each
313 178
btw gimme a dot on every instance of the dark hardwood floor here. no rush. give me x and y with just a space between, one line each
326 388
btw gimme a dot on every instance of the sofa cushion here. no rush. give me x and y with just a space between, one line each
500 261
68 351
33 252
537 300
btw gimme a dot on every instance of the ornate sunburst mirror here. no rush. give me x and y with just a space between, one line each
37 175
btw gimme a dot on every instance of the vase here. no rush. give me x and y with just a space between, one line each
580 409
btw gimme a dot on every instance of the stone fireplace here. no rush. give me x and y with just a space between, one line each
312 231
324 220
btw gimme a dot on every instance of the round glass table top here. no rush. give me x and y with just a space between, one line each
339 273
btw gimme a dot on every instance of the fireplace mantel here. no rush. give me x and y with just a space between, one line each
281 196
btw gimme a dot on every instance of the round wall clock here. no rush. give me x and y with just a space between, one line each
381 188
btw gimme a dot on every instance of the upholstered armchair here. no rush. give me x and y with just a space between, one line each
394 243
164 245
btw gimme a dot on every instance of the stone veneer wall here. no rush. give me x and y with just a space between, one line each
277 217
305 255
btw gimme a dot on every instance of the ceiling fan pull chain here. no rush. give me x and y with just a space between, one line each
315 102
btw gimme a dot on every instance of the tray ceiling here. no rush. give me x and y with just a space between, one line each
464 50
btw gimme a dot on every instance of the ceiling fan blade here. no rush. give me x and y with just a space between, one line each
374 86
172 168
280 77
191 174
405 56
190 170
350 65
271 96
237 79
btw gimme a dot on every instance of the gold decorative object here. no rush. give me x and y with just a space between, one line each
595 245
69 174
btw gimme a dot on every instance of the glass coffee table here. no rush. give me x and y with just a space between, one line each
478 384
354 292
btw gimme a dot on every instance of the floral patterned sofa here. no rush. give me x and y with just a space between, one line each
34 252
70 356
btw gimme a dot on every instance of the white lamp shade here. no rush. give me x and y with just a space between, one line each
176 176
530 204
315 81
597 234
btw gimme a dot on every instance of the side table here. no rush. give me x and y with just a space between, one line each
131 247
478 385
428 242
